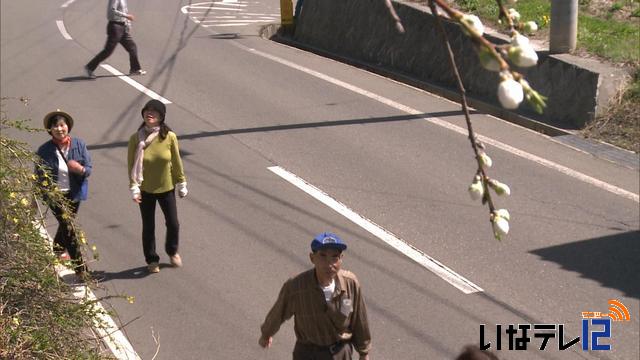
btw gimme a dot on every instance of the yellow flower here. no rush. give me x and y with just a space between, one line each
24 202
131 299
545 20
15 220
33 176
12 195
93 248
15 320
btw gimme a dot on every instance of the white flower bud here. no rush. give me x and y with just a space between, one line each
503 213
485 160
500 226
473 24
499 188
514 14
510 93
530 27
519 40
521 53
488 61
476 190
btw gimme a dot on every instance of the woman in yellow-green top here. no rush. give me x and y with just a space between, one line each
155 172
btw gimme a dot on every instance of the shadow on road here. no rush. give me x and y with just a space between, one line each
296 126
613 261
129 274
85 78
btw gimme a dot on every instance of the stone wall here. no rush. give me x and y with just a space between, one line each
363 30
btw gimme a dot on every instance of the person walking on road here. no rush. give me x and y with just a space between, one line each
118 31
155 172
330 316
66 163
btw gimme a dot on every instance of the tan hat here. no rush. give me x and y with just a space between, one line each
47 117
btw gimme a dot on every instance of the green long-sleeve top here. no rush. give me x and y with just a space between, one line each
162 166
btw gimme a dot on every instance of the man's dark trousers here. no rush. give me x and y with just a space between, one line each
117 32
313 352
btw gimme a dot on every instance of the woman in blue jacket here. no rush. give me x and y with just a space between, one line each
68 165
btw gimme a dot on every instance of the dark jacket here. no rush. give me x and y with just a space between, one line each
78 184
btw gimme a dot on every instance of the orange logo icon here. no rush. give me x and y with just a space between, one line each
617 311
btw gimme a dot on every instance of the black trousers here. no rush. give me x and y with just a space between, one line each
313 352
167 201
66 238
117 33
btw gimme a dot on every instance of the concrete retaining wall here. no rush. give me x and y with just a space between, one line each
363 30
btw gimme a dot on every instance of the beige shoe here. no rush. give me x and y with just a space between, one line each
154 267
176 261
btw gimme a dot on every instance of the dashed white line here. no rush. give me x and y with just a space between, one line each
150 93
405 248
69 2
62 30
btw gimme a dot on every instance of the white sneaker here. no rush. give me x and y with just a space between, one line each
153 267
89 73
138 72
176 261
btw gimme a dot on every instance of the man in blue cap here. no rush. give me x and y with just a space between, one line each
330 316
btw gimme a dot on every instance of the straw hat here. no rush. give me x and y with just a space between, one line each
58 112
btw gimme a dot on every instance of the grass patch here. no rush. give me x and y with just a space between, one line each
616 41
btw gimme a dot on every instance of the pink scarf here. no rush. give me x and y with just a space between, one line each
145 137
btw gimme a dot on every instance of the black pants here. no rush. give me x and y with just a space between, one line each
66 238
312 352
117 33
167 203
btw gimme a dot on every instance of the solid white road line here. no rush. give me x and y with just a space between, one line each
463 131
150 93
402 246
108 331
63 30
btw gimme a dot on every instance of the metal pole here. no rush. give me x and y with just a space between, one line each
286 15
564 26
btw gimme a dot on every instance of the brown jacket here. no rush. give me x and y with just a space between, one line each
317 322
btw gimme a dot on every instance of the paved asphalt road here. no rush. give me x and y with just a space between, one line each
242 104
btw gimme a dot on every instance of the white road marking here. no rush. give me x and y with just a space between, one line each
150 93
402 246
224 25
246 21
108 331
69 2
214 14
224 9
62 30
463 131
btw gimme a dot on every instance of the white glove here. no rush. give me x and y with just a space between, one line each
135 192
182 189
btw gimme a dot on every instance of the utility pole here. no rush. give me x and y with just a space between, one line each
564 26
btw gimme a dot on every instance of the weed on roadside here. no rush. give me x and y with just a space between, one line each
39 318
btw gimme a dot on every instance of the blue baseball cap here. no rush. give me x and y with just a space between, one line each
327 240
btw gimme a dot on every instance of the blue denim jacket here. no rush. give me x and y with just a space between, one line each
78 184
